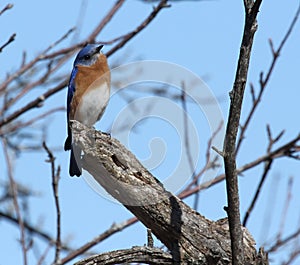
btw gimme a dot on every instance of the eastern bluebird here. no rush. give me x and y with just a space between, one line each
88 95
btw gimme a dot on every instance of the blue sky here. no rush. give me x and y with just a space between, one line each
203 37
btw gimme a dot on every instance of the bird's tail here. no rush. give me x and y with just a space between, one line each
68 142
75 161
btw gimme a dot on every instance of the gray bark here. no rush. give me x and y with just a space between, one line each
189 236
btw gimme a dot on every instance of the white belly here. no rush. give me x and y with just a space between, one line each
92 105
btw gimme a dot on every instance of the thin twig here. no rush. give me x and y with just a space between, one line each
54 44
29 86
267 168
19 125
55 180
15 201
282 242
144 24
208 163
105 20
35 103
35 230
92 36
295 254
187 142
50 70
258 190
10 40
25 67
7 7
264 81
112 230
43 256
285 207
282 151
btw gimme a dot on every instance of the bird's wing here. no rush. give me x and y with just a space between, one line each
71 91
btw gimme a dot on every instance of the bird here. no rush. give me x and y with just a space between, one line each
87 97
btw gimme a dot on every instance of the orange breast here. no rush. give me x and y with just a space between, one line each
87 79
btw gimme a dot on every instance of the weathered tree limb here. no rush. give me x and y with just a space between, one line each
189 236
144 254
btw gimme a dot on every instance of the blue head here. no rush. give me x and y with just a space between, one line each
88 55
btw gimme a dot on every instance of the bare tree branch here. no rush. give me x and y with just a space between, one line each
19 125
285 207
34 230
7 7
189 236
279 152
112 230
229 152
105 20
15 201
67 52
295 254
263 81
144 24
55 174
42 258
208 164
10 40
187 143
282 242
35 103
267 168
147 255
258 190
286 150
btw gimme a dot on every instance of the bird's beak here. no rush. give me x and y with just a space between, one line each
99 48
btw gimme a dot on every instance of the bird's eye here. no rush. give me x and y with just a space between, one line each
87 57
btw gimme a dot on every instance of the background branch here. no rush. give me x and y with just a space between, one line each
267 168
7 7
34 230
14 190
263 81
67 53
144 24
288 150
106 234
144 254
10 40
55 175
